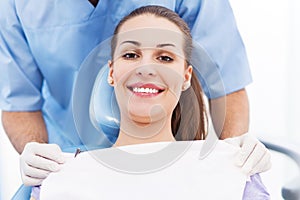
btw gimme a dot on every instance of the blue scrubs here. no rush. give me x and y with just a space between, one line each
43 43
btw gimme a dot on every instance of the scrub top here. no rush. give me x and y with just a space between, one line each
43 43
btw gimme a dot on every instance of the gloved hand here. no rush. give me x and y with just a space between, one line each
254 157
38 160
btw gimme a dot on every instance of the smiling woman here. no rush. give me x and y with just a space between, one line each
158 68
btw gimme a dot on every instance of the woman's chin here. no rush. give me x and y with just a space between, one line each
146 115
144 120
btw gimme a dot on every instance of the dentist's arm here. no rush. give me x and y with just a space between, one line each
27 132
24 127
230 115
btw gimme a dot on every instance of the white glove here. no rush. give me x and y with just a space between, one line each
38 160
254 157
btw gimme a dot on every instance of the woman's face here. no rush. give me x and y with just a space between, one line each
149 70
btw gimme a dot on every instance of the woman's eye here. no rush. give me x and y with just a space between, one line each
165 58
130 56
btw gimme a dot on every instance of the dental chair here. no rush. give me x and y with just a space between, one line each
109 119
291 189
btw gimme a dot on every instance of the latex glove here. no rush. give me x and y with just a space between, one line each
38 160
254 157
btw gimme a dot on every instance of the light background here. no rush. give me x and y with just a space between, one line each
270 30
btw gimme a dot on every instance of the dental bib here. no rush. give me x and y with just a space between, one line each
88 176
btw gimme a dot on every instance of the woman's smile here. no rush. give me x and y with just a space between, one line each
145 89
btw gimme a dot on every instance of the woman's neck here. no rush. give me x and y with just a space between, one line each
134 133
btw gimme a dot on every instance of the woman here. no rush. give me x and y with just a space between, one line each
159 97
139 62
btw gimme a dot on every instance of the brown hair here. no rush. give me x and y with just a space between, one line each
189 118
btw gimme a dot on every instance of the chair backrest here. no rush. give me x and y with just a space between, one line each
104 111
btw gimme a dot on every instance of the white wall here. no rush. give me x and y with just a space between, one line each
270 31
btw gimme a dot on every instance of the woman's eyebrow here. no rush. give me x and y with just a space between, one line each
132 42
136 43
165 45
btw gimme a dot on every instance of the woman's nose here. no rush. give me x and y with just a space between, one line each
146 71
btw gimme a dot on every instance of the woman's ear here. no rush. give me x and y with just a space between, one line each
110 78
187 77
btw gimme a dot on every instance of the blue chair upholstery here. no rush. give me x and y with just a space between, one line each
23 193
104 111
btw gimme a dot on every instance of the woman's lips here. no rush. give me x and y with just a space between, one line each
145 90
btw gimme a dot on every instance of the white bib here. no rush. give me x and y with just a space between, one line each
92 175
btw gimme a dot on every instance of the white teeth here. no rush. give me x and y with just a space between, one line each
145 90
